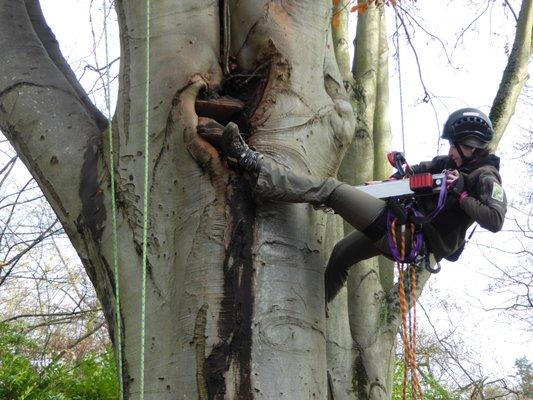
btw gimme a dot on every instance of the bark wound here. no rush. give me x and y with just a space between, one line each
330 387
237 101
279 77
235 322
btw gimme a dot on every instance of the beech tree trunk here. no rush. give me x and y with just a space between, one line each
374 337
235 300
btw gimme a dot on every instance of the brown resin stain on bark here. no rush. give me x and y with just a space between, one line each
234 323
233 191
91 195
235 320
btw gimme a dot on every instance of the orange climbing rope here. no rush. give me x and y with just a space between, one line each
408 318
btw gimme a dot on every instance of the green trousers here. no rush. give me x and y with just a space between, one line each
359 209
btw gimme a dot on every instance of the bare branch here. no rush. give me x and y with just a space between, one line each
511 8
463 31
47 315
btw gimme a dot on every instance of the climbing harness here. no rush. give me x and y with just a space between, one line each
403 216
118 320
411 221
398 231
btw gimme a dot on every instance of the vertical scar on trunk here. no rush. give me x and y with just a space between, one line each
199 344
91 195
233 349
235 322
237 100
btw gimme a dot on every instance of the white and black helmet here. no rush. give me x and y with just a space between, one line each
470 127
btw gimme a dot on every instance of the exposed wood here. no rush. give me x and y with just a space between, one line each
210 130
221 109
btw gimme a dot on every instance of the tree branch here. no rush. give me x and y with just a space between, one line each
512 9
51 46
42 114
61 314
515 74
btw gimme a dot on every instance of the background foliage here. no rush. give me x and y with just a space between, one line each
29 372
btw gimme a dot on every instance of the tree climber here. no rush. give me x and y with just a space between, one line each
474 194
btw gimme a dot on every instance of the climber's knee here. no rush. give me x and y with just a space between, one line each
377 228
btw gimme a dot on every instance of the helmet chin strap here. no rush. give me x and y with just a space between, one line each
464 158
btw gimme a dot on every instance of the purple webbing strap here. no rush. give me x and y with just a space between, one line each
443 194
418 238
416 242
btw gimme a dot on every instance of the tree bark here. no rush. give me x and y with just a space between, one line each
368 280
235 303
515 74
341 352
339 24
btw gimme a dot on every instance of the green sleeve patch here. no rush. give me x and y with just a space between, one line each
497 192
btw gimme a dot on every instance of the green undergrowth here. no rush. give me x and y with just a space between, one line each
27 372
431 388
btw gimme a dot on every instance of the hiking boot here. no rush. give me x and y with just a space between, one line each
235 149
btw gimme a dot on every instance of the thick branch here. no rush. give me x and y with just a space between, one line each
515 74
48 315
41 114
339 24
51 45
382 132
357 165
56 137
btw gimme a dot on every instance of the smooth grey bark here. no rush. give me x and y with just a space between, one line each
341 40
340 347
235 303
369 281
515 74
341 351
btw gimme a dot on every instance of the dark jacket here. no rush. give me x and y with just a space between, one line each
486 204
